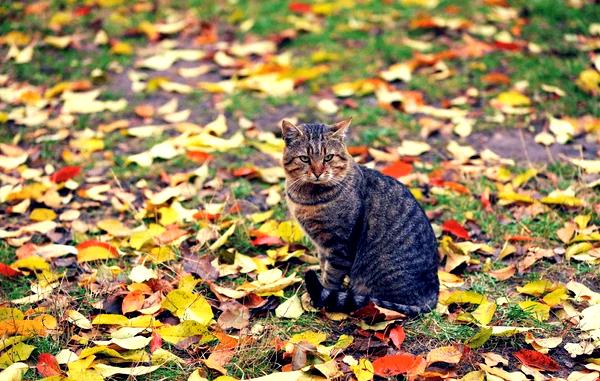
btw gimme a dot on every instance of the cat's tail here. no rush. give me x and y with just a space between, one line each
348 301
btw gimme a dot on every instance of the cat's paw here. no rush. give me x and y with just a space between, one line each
313 286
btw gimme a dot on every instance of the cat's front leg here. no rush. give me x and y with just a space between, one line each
334 268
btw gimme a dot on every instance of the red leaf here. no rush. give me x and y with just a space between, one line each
397 169
47 365
485 200
155 342
266 240
525 238
298 7
452 226
536 360
65 174
7 271
397 335
393 365
82 11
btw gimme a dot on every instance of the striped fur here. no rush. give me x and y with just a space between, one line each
366 226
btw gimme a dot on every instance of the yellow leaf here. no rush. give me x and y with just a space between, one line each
188 306
537 287
173 334
78 319
524 178
364 370
556 297
8 341
562 129
513 98
139 238
260 217
290 231
195 376
121 48
114 227
589 81
582 220
464 297
14 372
291 308
485 312
566 197
311 337
33 263
110 319
578 248
589 166
217 126
7 313
223 239
539 311
42 214
16 353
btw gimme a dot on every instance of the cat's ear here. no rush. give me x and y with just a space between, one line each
289 131
339 129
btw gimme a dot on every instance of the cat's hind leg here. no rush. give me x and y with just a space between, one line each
334 268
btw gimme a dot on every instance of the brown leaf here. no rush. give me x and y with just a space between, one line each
235 315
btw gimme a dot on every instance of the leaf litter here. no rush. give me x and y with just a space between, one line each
143 232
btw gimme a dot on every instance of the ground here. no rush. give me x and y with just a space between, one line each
143 228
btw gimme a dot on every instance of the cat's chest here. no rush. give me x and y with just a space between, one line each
320 221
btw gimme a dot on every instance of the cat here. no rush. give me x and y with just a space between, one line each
365 225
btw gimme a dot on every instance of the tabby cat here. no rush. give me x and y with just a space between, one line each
365 225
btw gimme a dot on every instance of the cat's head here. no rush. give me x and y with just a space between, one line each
315 152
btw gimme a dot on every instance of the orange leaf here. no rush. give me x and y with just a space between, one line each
132 301
144 111
199 157
496 78
397 335
393 365
397 169
47 365
93 250
452 226
536 360
244 171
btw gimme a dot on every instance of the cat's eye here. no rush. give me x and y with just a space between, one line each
328 157
304 159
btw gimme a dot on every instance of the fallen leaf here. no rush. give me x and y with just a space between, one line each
537 360
47 365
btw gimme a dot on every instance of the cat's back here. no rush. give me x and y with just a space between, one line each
393 209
